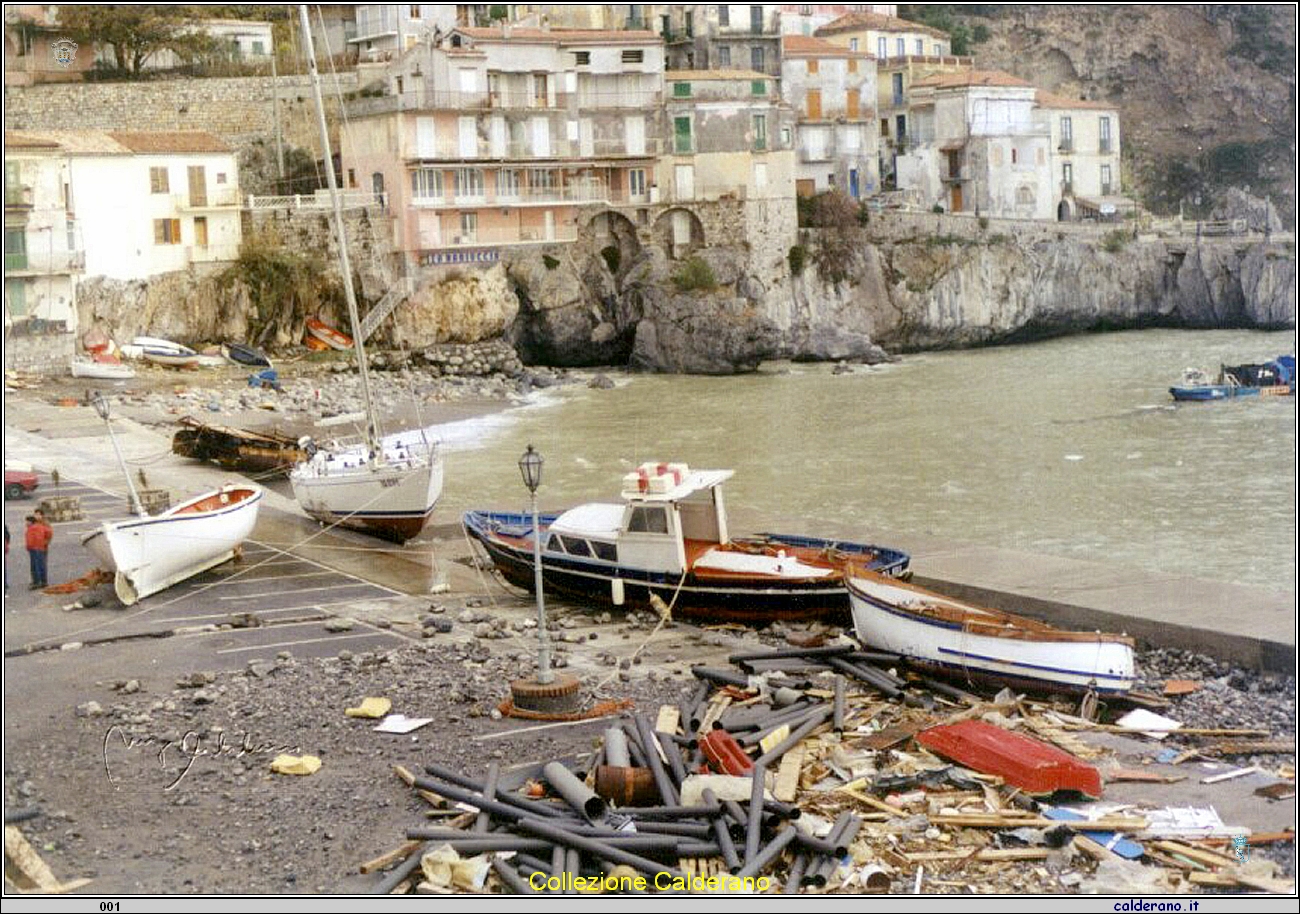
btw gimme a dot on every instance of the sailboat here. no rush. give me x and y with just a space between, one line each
384 485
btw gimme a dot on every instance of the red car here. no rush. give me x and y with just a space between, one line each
19 483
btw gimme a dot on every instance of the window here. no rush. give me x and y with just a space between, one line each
896 83
167 231
507 183
724 57
539 90
636 56
681 90
882 48
756 59
785 137
221 177
201 231
938 50
724 15
469 226
853 44
1105 180
812 67
758 87
469 182
682 134
648 520
576 546
756 19
426 183
541 179
813 109
760 131
582 58
1067 134
415 12
760 175
158 180
1103 129
606 552
900 45
853 65
553 543
1067 177
15 249
920 47
636 182
1013 155
852 104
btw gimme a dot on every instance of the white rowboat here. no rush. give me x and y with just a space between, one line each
965 640
149 554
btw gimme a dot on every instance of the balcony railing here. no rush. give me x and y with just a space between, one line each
44 263
1066 144
500 100
18 196
221 198
581 193
449 149
351 199
1104 145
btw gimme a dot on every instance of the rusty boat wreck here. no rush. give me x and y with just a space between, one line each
669 537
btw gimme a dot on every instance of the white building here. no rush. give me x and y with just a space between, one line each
385 30
148 203
1085 147
978 143
833 92
43 252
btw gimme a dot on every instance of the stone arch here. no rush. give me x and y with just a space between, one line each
1065 211
610 229
679 232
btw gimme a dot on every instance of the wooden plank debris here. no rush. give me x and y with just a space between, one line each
31 874
787 776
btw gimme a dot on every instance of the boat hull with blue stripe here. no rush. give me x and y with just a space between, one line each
965 641
671 540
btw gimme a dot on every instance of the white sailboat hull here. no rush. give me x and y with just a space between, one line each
107 371
392 498
149 554
902 619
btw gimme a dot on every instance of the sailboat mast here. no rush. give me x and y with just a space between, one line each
372 423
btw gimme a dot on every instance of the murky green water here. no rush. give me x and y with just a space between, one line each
1070 447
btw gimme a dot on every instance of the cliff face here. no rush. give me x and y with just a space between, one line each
1206 93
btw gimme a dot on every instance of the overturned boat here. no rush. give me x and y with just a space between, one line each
968 641
669 537
261 453
148 554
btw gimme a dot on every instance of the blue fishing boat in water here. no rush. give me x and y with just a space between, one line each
669 537
1275 378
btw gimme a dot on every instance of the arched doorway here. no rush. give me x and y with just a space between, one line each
679 231
1065 211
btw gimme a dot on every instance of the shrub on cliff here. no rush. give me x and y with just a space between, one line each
695 275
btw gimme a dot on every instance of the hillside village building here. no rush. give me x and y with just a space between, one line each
831 90
886 37
43 249
144 203
1085 146
981 145
722 37
499 135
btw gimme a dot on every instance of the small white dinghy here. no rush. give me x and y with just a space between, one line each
104 371
969 641
149 554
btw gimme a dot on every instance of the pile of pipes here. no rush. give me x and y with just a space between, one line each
799 771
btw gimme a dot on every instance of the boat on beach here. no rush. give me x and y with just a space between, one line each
242 354
138 345
334 339
148 554
960 639
101 369
669 537
1275 378
384 485
255 452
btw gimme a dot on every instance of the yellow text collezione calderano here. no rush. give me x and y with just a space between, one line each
663 882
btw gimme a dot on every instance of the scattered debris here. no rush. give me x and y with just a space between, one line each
295 764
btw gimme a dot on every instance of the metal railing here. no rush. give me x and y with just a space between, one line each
450 149
45 262
351 199
221 198
508 236
500 100
19 195
1066 144
532 196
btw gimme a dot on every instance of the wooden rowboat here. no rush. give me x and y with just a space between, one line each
335 339
969 641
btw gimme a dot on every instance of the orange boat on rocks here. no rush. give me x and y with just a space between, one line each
332 338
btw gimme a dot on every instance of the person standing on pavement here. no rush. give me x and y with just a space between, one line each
39 535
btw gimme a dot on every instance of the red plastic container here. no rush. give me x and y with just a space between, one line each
1021 761
725 754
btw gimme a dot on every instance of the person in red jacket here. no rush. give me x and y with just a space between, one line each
39 534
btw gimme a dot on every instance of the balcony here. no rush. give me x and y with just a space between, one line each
350 199
44 263
574 194
502 100
448 149
507 237
19 196
1066 145
221 198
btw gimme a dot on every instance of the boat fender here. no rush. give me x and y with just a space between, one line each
616 591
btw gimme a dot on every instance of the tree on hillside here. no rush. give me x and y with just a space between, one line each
136 33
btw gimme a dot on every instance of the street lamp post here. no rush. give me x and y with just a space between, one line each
530 467
101 407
